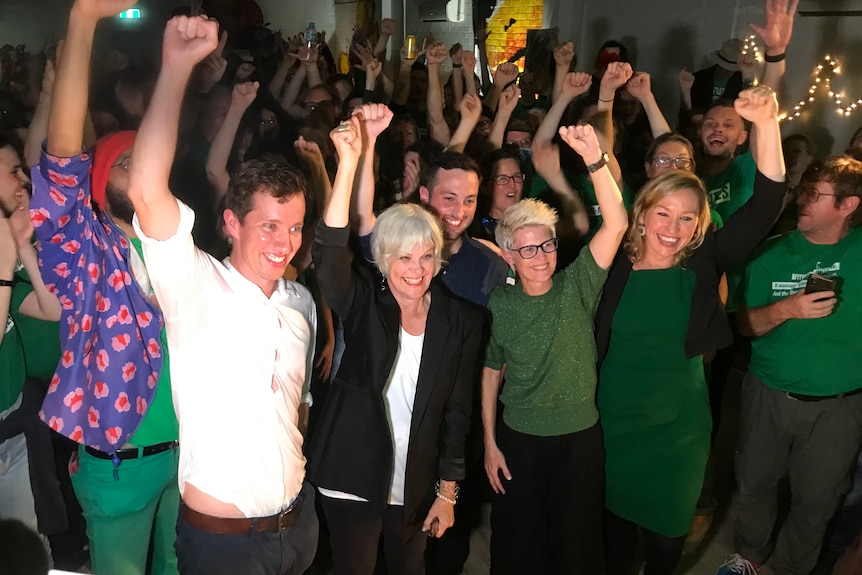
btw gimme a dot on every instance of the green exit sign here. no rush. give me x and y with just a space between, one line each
133 14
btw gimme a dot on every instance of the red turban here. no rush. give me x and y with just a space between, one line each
105 154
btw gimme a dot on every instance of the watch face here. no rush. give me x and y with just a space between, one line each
598 165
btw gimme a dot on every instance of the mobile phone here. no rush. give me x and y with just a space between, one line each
817 283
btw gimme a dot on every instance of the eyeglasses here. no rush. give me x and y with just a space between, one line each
311 106
123 163
811 195
483 124
503 179
681 162
529 252
267 121
525 143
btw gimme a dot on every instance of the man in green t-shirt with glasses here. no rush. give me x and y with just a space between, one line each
801 400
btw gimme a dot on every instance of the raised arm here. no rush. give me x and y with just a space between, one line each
219 155
640 87
759 106
38 130
686 81
574 84
437 125
387 29
546 160
505 107
276 85
481 36
615 77
347 139
310 152
471 111
564 54
504 75
468 70
776 34
187 41
401 89
72 82
374 119
615 222
455 54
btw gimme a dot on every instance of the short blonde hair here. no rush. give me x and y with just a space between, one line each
402 227
651 194
526 213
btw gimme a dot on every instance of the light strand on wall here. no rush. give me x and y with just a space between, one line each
750 44
823 74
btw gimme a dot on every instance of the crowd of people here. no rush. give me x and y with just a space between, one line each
251 301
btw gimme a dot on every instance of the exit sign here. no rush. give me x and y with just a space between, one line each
133 14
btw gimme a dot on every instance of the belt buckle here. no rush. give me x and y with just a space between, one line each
284 519
790 396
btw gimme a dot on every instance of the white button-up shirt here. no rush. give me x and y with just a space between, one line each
240 367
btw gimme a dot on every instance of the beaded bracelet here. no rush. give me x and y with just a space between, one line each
451 501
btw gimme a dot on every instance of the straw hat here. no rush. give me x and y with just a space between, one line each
727 56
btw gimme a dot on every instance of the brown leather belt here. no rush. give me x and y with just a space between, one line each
244 525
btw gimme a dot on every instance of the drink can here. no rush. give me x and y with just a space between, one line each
410 46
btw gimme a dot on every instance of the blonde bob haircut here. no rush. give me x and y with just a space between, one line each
524 214
399 229
650 195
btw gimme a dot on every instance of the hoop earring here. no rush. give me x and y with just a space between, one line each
641 229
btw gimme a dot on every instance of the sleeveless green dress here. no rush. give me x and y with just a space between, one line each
653 405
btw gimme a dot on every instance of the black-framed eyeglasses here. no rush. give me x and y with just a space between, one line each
529 252
810 195
123 163
503 179
681 162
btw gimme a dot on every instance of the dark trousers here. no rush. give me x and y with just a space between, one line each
289 552
815 443
355 528
661 553
549 520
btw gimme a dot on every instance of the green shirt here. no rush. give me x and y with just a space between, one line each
160 423
808 356
41 339
547 344
12 366
729 190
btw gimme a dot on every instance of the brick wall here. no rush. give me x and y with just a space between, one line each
502 43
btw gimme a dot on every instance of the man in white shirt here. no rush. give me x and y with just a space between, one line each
242 339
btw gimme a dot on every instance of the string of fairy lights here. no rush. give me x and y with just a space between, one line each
823 74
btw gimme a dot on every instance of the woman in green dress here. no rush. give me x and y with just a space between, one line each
659 313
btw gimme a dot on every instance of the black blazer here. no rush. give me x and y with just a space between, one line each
352 450
721 250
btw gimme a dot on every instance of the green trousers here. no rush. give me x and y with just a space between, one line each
130 515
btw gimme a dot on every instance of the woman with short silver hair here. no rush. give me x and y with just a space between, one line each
544 456
388 451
